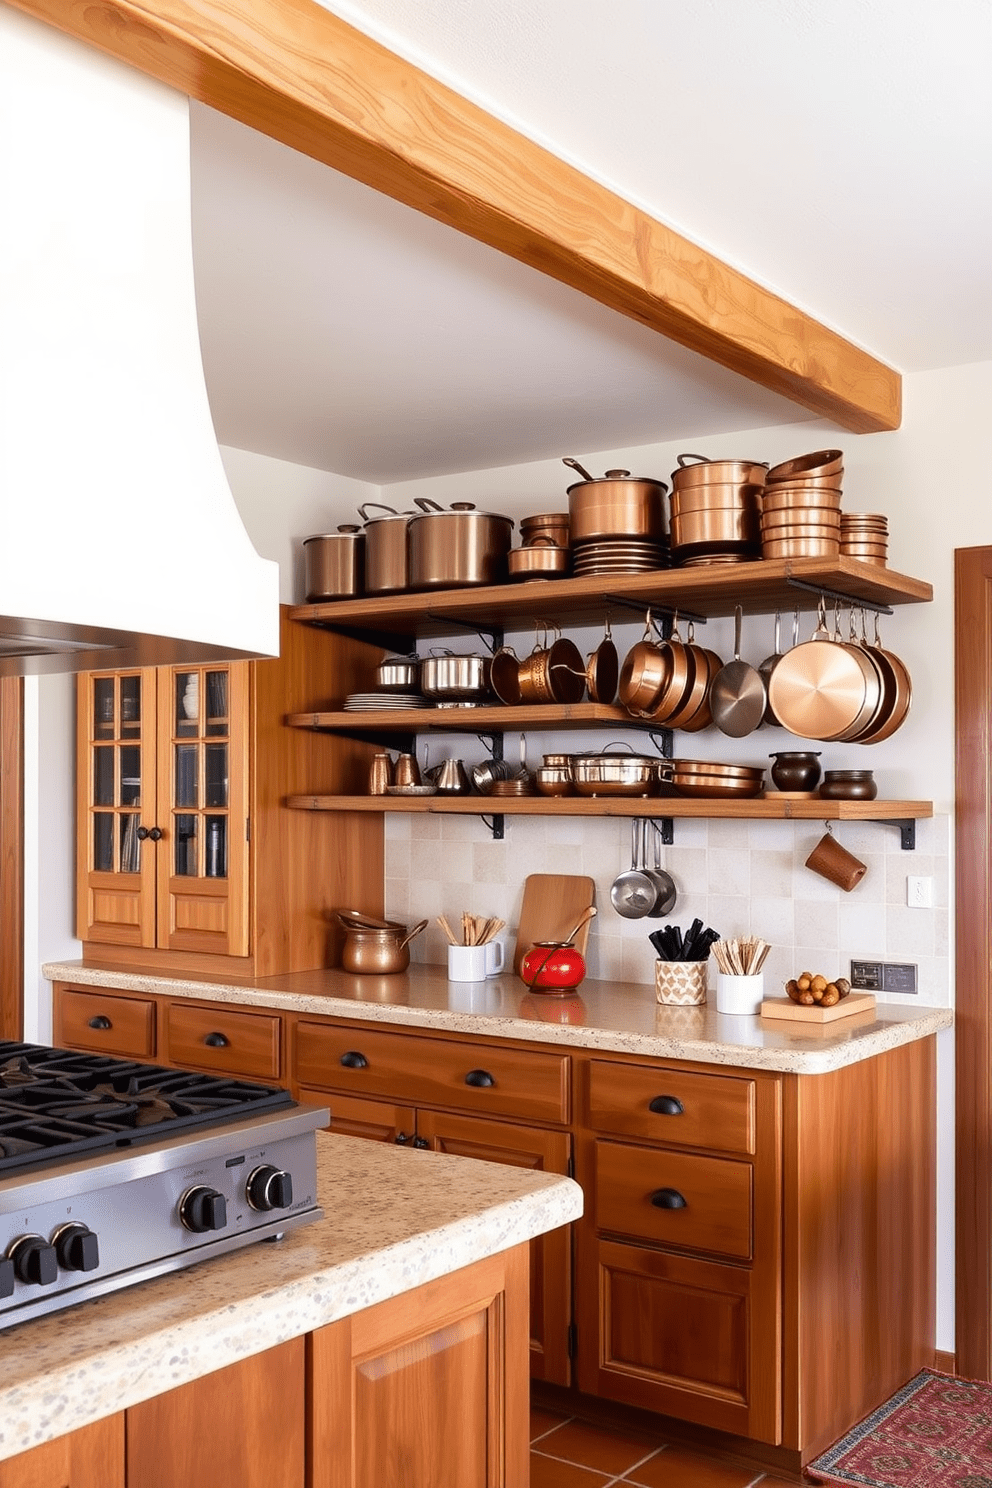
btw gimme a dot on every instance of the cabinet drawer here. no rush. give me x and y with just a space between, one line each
484 1079
108 1025
669 1105
674 1198
217 1039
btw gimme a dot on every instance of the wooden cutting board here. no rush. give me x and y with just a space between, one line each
784 1007
552 905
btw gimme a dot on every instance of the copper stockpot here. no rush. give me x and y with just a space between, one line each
456 548
385 549
615 505
334 564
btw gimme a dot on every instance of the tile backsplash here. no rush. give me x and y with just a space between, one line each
740 877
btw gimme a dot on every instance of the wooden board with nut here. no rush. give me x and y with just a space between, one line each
817 1012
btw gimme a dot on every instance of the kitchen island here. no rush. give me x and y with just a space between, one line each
756 1255
447 1235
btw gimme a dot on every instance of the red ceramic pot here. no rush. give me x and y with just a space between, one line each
553 966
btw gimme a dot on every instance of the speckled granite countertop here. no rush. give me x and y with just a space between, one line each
396 1219
622 1017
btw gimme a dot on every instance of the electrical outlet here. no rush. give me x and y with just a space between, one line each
884 976
919 892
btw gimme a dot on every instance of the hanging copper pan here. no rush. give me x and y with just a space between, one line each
669 695
821 688
671 711
886 724
645 671
874 687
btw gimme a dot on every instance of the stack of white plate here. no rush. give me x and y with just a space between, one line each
365 702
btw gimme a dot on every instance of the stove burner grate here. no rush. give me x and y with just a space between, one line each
56 1104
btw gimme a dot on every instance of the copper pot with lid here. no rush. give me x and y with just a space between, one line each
385 549
615 505
457 547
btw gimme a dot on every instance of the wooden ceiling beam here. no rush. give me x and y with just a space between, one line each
293 71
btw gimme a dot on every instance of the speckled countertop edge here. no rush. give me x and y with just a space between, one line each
395 1219
745 1043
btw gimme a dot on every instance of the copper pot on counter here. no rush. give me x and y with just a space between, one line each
380 949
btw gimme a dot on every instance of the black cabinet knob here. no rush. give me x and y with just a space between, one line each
202 1209
142 833
480 1078
77 1248
353 1060
401 1139
421 1142
7 1278
100 1022
155 834
668 1198
217 1040
34 1261
269 1188
666 1105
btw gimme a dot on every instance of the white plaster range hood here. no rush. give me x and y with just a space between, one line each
120 542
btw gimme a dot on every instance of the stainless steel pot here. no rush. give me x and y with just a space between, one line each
385 549
455 678
456 548
334 564
398 674
608 774
616 505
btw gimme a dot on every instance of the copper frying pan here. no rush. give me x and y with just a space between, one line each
894 714
819 689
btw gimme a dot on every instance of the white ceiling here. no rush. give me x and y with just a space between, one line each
838 152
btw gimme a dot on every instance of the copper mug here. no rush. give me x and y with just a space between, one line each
380 774
835 863
406 771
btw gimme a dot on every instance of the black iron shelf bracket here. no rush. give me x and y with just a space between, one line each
665 827
493 742
907 830
643 605
495 823
833 594
490 635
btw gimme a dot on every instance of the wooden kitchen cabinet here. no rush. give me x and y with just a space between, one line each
187 855
332 1062
92 1457
429 1387
679 1253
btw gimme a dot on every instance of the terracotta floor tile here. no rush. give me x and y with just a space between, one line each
678 1467
542 1421
548 1472
611 1452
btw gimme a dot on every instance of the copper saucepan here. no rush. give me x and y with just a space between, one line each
615 505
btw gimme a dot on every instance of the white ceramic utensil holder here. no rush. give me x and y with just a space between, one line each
739 994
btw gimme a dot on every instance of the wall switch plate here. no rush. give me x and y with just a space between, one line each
884 976
919 892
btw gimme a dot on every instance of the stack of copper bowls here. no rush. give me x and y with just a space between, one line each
553 525
716 510
865 536
800 510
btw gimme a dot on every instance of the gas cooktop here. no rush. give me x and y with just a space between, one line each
112 1172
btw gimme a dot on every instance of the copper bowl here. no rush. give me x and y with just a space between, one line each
716 524
772 523
802 548
705 472
819 463
544 560
552 780
799 532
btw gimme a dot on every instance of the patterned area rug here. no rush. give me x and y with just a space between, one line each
935 1433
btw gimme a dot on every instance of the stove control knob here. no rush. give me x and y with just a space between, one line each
202 1209
269 1188
76 1248
34 1260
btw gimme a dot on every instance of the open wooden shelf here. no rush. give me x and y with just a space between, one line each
760 808
485 719
760 588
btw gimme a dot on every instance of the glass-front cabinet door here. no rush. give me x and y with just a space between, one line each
163 808
115 878
203 769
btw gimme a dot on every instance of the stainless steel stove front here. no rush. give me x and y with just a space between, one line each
91 1225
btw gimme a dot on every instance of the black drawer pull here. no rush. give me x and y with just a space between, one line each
481 1078
100 1022
668 1198
421 1142
401 1139
666 1105
217 1040
353 1060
